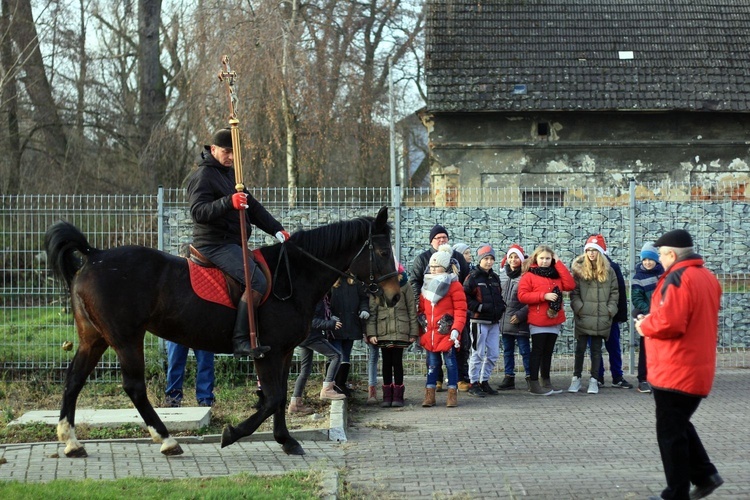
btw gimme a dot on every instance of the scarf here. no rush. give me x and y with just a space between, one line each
551 273
512 274
436 286
545 272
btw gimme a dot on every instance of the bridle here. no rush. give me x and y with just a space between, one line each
372 286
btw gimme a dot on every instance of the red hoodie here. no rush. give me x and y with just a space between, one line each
531 290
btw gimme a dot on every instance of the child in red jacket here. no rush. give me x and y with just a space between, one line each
442 315
543 281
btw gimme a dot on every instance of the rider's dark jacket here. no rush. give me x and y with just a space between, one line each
210 189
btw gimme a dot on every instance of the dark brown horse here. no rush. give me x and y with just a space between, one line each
119 294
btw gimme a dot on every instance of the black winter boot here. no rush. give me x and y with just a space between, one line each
341 377
487 389
241 336
508 383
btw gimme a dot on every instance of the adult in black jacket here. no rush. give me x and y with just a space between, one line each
438 236
214 208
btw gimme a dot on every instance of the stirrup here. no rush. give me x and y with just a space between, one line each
259 352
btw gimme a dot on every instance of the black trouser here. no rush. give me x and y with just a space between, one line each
463 354
462 359
393 365
595 344
542 346
682 454
642 376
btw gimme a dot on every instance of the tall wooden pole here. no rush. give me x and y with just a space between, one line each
228 77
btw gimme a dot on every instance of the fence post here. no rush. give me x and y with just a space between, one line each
160 246
397 219
633 334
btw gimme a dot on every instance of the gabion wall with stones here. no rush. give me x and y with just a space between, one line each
35 319
720 231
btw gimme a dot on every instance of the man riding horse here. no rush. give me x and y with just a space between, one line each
214 208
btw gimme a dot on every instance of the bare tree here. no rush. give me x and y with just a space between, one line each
34 79
290 118
138 104
12 159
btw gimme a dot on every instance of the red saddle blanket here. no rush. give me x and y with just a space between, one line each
210 283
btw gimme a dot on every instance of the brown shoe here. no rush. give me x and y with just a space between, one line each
429 397
372 395
452 398
464 386
296 407
329 392
438 386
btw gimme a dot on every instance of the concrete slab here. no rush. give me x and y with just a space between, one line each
338 422
176 419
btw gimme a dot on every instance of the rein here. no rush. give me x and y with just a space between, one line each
373 286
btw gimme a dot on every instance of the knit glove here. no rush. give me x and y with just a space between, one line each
364 314
454 338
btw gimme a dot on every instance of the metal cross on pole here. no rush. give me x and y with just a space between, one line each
228 77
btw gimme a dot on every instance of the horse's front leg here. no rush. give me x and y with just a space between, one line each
272 373
134 383
280 431
84 361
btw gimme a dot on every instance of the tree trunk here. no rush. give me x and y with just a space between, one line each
82 67
153 98
45 112
12 158
290 119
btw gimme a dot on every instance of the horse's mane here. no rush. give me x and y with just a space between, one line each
335 237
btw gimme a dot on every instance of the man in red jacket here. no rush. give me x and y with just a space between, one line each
681 333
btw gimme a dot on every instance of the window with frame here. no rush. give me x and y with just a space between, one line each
543 198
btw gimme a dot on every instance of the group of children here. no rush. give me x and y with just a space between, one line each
520 306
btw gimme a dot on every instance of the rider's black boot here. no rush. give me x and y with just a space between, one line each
241 336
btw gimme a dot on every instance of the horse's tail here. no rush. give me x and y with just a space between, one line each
61 241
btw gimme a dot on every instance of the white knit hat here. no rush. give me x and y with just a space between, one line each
442 257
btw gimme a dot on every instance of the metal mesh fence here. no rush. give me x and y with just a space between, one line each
34 319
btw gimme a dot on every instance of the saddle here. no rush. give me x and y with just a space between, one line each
212 284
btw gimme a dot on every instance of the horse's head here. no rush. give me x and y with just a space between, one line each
374 264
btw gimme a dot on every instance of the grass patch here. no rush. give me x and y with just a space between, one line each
34 338
298 485
233 404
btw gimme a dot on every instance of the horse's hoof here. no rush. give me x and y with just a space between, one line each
170 452
227 436
293 449
77 453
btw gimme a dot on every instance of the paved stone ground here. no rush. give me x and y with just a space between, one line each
508 446
517 445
